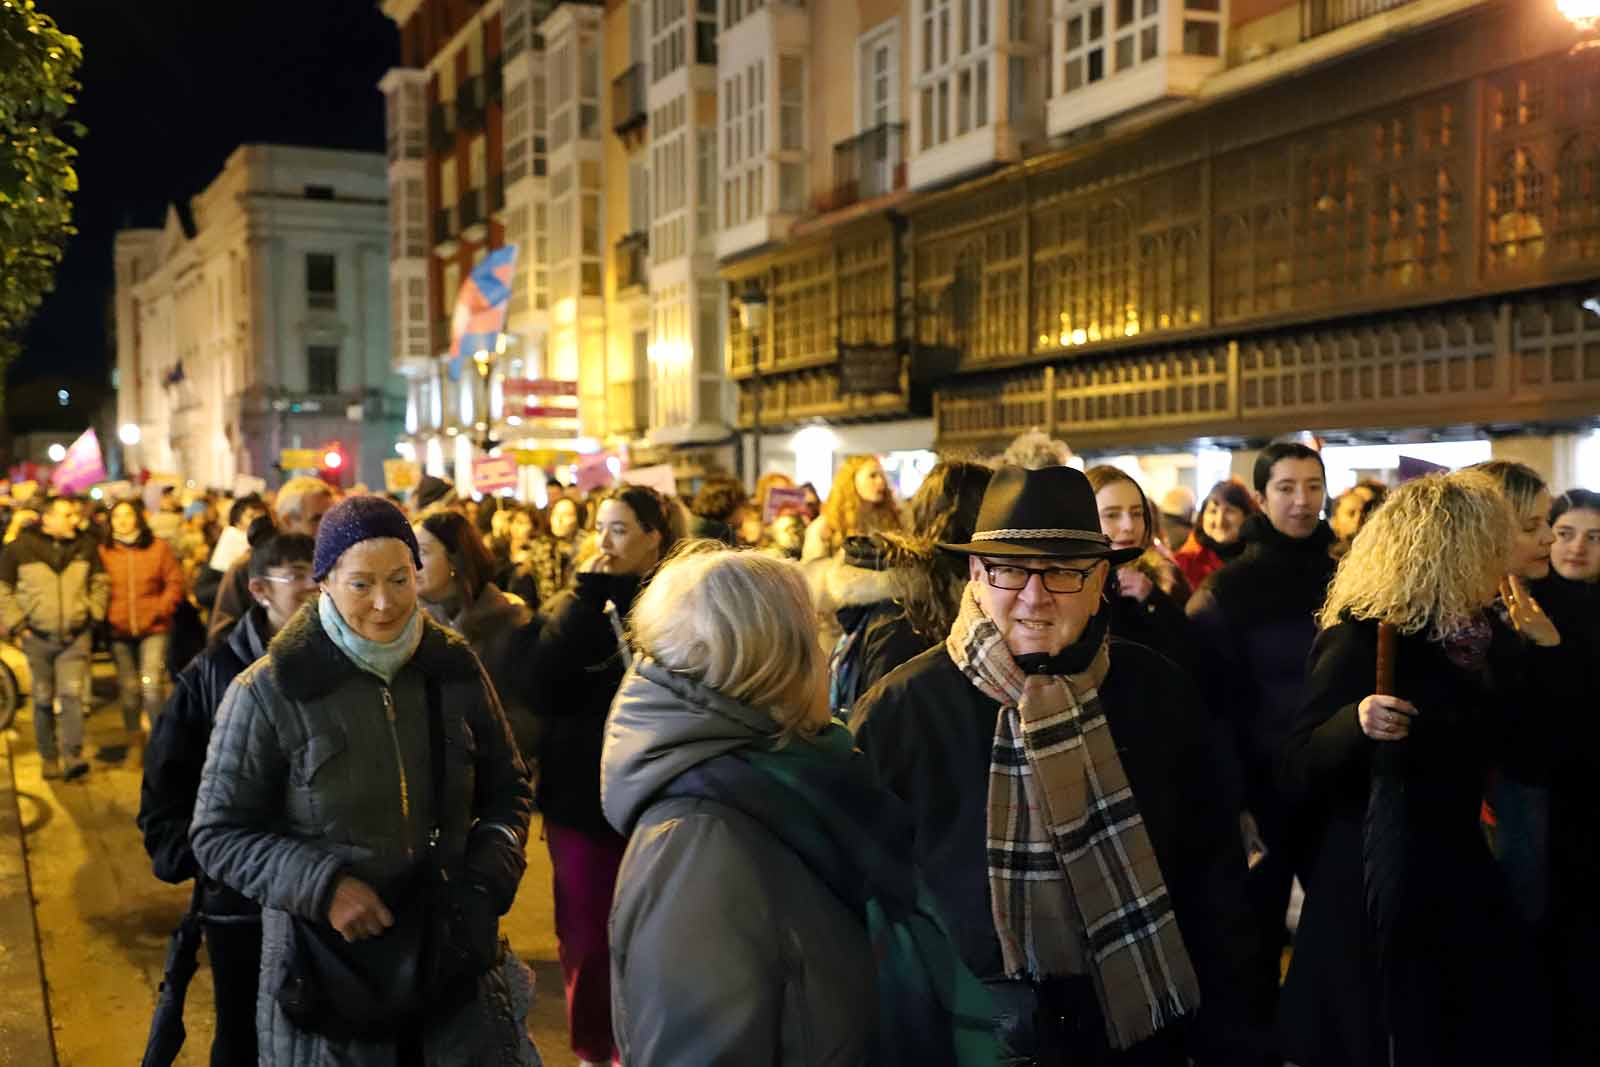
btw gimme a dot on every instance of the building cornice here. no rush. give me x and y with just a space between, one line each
400 11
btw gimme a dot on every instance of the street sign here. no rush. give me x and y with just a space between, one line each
298 459
543 457
493 473
538 387
401 475
658 477
781 498
868 369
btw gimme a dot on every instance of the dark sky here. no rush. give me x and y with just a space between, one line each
170 88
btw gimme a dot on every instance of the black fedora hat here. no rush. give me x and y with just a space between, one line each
1045 512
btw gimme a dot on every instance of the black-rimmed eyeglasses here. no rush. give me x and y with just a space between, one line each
1012 577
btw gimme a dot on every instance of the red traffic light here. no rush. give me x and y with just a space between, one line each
333 458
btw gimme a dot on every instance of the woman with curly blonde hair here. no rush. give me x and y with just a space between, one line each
1407 949
861 502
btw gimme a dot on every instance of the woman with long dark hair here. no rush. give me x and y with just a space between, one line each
573 670
455 587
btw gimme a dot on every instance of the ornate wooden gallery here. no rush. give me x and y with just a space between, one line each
1403 239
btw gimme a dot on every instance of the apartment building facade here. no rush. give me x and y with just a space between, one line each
257 320
1145 223
506 115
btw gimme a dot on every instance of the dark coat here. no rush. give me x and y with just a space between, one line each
1574 755
493 625
929 733
318 769
573 669
1254 622
177 754
1157 623
1459 961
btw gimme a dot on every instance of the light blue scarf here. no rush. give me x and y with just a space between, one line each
383 658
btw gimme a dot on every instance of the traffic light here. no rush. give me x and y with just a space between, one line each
332 462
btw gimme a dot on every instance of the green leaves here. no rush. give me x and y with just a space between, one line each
38 64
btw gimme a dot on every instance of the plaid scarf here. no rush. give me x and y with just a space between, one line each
1068 850
817 796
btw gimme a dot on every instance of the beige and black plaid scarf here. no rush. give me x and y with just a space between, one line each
1068 850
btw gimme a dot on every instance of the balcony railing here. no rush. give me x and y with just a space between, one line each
442 127
1323 16
469 103
471 208
497 192
869 165
633 259
443 225
627 100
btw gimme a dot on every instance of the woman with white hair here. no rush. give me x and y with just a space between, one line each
1408 951
767 909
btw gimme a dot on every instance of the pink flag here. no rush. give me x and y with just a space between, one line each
81 467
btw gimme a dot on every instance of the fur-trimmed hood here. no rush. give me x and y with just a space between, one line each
307 664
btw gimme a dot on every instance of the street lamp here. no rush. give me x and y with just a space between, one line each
483 360
129 434
57 452
753 316
1585 16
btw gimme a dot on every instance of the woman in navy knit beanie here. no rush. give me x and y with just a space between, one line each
319 801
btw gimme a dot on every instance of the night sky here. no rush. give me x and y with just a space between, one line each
170 88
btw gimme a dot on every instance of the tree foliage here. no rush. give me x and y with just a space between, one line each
38 64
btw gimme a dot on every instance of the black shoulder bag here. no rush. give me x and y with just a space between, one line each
425 966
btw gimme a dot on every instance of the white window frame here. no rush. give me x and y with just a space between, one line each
1081 53
885 36
958 58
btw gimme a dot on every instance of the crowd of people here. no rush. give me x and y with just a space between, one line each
1029 769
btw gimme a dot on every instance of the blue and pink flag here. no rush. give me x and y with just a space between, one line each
480 315
81 467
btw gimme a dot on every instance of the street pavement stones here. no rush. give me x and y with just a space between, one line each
103 919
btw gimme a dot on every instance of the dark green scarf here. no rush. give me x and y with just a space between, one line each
818 797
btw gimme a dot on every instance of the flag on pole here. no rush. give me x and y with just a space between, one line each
81 467
480 313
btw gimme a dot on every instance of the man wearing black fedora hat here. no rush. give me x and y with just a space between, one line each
1068 820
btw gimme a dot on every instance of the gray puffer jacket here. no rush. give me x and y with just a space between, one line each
725 947
317 769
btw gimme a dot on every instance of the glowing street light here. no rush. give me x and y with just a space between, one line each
1585 17
129 434
57 452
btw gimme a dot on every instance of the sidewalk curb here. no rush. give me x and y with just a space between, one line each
26 1035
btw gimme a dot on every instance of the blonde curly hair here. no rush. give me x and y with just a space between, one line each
1428 559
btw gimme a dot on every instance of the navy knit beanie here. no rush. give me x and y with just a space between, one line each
356 519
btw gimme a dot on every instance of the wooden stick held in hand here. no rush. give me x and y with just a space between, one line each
1386 641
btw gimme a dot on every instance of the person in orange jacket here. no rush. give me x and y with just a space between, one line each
146 587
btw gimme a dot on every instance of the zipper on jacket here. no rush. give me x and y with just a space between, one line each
133 601
399 763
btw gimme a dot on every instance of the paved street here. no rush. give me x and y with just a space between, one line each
103 920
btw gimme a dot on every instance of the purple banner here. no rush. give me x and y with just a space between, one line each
81 467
